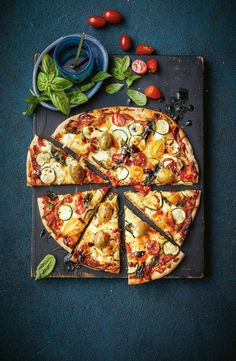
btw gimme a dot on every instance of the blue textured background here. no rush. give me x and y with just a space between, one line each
104 320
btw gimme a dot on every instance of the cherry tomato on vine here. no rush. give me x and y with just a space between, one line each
125 42
112 16
96 21
152 65
144 49
139 66
152 92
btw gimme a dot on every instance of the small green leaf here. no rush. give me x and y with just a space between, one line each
48 65
118 74
45 267
131 79
86 87
30 109
113 88
78 98
60 101
59 84
137 97
101 75
122 64
42 81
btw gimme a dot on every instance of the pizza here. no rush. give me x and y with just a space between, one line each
150 255
173 212
99 247
66 215
131 146
49 165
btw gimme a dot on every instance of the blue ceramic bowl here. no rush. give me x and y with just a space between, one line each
65 51
100 56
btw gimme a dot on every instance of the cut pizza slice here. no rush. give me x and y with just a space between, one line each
149 255
49 165
173 212
99 247
66 215
131 145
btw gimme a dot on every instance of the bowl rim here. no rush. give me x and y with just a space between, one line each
50 47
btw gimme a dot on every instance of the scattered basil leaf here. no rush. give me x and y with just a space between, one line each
113 88
78 98
60 101
45 267
101 75
122 64
30 109
137 97
86 87
59 84
131 79
118 74
42 81
48 65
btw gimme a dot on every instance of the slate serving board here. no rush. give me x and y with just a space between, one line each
174 72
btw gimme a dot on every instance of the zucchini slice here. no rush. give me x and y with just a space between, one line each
136 129
132 269
48 175
179 215
122 172
120 134
138 141
153 201
87 132
162 126
59 171
43 157
170 248
65 212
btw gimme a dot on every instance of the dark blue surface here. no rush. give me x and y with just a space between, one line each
106 319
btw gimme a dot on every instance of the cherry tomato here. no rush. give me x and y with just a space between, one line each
125 42
112 16
152 92
140 159
96 21
118 119
152 65
144 49
139 66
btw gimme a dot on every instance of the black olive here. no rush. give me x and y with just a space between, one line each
173 100
140 271
180 109
169 108
42 233
80 257
188 123
182 94
190 107
134 148
139 253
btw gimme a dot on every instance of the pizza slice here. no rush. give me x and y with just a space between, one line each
49 165
99 247
66 215
173 212
131 145
150 255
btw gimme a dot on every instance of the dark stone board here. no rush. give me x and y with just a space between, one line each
174 72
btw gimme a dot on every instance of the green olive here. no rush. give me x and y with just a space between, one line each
105 141
105 212
165 176
141 229
101 239
77 172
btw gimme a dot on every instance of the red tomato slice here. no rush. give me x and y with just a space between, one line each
142 189
144 49
152 92
153 248
140 159
139 66
81 208
152 65
118 119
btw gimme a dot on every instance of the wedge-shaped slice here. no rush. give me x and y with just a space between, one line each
150 255
65 216
99 247
172 212
49 165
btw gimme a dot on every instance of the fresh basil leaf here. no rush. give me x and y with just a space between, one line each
30 109
131 79
59 84
42 81
118 74
45 267
86 87
122 64
34 99
137 97
101 75
113 88
48 65
78 98
60 101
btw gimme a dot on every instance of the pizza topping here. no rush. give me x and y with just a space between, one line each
132 267
136 129
105 212
122 173
153 200
170 248
136 172
140 159
156 149
179 215
101 239
48 175
60 172
141 229
121 135
77 173
139 254
137 142
73 227
162 126
42 158
188 173
65 212
153 247
140 271
165 176
87 132
105 141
